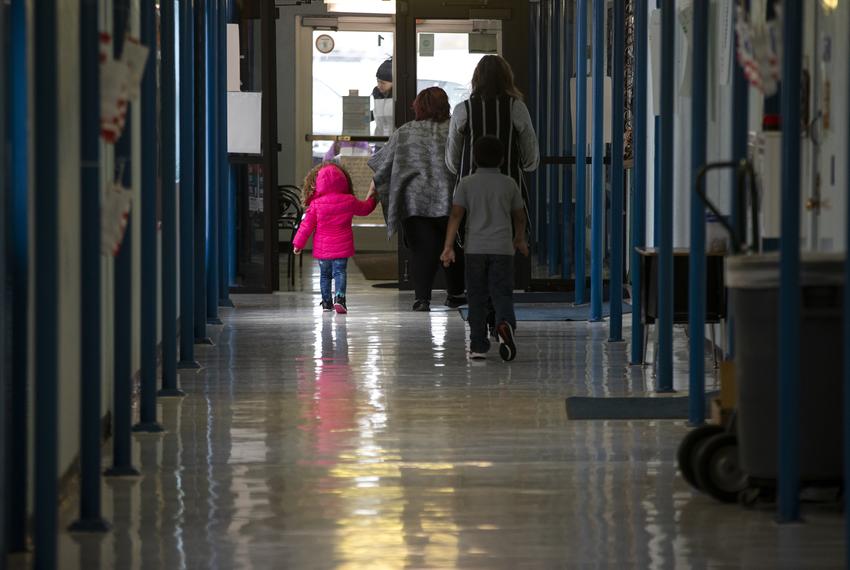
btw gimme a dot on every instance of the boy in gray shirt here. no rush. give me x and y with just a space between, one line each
491 201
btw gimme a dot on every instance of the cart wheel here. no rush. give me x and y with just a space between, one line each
717 469
688 447
749 497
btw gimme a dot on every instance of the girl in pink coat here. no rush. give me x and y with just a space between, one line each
331 204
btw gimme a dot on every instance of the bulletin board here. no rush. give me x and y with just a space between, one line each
361 177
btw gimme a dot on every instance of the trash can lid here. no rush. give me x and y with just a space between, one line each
762 271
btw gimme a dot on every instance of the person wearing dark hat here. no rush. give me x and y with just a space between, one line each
383 96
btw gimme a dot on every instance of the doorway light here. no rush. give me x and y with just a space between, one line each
361 6
830 4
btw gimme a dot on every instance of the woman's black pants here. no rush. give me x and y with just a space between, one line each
425 237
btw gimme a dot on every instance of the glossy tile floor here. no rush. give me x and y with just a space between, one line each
368 441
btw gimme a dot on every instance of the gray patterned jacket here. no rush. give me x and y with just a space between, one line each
411 175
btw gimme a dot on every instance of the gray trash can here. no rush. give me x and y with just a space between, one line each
753 283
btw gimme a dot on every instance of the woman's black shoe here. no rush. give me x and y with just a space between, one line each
455 301
422 306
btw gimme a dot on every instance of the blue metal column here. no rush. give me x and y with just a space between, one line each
90 338
5 293
147 400
187 186
534 15
168 124
789 272
201 174
226 204
45 199
846 350
665 251
122 398
640 127
552 137
618 173
213 168
597 182
696 279
567 145
581 150
18 271
543 133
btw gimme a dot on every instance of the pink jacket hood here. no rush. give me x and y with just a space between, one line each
329 214
330 180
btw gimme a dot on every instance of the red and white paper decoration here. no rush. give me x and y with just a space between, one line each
119 83
115 214
760 51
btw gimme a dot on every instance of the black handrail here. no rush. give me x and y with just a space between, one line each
737 233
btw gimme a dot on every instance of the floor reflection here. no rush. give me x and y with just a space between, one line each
368 441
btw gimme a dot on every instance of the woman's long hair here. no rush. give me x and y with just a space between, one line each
493 77
309 188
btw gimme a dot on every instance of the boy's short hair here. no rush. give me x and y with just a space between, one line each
488 152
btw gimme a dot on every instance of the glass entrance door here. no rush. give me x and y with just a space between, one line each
252 149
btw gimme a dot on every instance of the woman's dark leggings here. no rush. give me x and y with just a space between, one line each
425 238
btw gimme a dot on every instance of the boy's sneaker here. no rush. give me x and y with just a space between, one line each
455 301
339 305
327 305
422 305
477 355
507 346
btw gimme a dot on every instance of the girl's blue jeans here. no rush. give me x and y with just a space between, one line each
336 269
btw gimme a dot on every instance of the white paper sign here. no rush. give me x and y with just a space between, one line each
233 81
244 122
426 45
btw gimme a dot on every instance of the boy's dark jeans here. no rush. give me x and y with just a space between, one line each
488 276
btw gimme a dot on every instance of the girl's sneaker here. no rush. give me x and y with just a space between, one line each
339 305
327 305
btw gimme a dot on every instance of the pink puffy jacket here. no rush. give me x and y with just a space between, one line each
329 213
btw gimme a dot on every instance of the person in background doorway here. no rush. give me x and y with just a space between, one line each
331 204
415 188
492 204
383 98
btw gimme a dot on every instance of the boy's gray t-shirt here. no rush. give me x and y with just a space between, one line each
489 197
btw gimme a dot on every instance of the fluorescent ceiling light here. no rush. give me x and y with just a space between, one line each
361 6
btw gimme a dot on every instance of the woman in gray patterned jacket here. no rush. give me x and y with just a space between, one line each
415 187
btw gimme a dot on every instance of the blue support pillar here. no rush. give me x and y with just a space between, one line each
5 294
640 128
665 222
213 167
122 397
552 137
618 107
187 186
45 303
147 397
696 278
535 206
581 150
789 267
846 351
201 173
567 145
90 519
226 203
543 133
597 182
168 125
18 271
